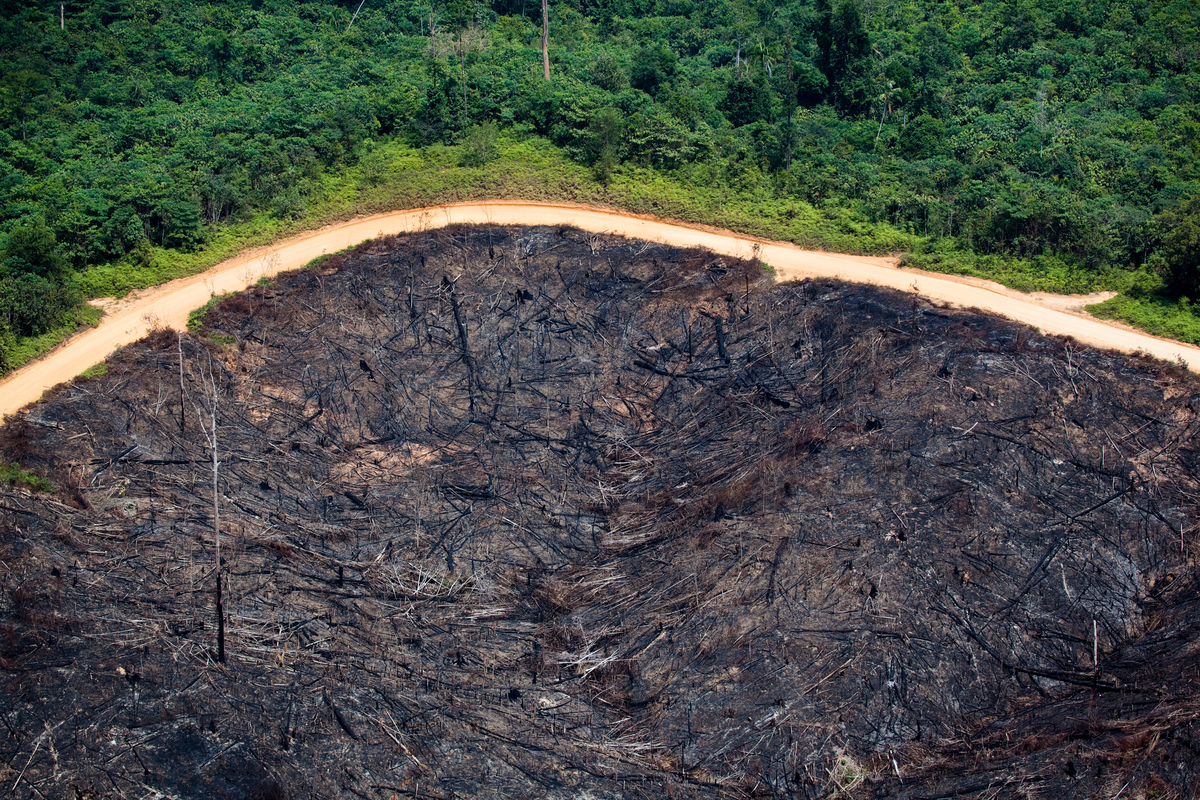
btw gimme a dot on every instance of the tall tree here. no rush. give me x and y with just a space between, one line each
32 248
843 54
746 101
546 39
1180 248
210 434
19 91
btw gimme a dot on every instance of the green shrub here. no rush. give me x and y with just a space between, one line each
1154 313
195 323
95 371
1037 274
13 474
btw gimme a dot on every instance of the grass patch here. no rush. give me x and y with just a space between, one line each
25 349
195 323
533 169
1142 303
13 474
1153 313
95 371
197 319
1038 274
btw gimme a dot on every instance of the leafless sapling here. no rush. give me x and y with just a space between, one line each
210 436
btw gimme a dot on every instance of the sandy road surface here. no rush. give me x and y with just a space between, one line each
130 318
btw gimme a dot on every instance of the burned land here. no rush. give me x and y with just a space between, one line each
529 512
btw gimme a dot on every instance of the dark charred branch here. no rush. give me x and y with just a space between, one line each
544 539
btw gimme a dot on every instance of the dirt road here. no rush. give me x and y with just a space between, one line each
130 318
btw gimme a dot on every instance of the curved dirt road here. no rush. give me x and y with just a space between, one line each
169 304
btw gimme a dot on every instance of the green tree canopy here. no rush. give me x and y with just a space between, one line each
32 249
843 54
1181 247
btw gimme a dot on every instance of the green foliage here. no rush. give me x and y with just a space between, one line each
1158 314
195 323
924 137
746 100
479 145
1181 248
32 250
653 66
1043 145
95 371
31 304
1042 273
17 351
843 53
13 474
197 318
88 316
609 72
603 141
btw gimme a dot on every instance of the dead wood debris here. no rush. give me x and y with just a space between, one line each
532 512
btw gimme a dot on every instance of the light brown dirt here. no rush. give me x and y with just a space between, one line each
130 318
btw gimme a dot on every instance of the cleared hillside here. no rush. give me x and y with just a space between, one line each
536 512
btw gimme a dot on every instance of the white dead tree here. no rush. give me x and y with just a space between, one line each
210 437
182 406
546 39
360 5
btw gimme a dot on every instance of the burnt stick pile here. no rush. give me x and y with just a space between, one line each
530 512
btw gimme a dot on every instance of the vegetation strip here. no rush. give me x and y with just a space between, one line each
1049 146
171 304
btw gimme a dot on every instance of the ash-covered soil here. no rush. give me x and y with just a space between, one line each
538 513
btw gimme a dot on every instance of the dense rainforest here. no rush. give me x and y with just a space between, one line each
1048 143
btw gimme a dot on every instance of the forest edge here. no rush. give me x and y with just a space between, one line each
170 304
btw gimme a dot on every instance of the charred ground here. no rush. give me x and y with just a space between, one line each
532 512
